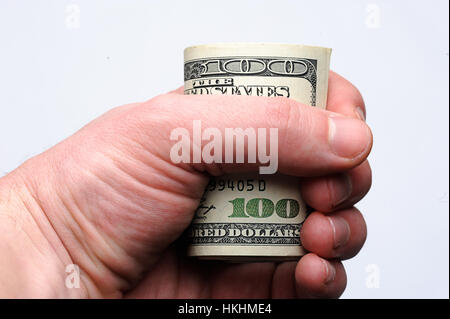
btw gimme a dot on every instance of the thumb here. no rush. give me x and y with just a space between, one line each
226 134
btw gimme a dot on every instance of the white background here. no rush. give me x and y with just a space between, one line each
63 63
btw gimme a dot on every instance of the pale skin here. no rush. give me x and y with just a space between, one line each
110 200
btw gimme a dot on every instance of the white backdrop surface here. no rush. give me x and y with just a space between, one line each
63 63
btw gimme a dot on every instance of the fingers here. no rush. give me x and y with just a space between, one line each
310 141
338 235
337 191
344 97
316 277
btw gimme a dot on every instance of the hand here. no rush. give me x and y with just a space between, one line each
110 200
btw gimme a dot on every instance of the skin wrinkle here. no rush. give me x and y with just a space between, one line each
155 173
146 129
80 240
88 252
24 231
34 196
110 242
173 177
18 220
213 169
116 191
133 220
106 183
10 190
37 201
154 211
92 252
168 167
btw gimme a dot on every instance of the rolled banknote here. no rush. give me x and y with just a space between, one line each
253 217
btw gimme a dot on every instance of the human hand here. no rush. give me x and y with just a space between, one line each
110 200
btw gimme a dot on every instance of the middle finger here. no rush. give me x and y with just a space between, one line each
337 235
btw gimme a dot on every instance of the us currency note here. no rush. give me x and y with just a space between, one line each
253 217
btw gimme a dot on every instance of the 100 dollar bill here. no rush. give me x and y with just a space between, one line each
253 216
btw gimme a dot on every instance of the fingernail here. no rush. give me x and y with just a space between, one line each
348 137
342 188
360 114
330 271
341 231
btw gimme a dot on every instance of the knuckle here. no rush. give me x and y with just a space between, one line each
160 109
291 118
283 112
